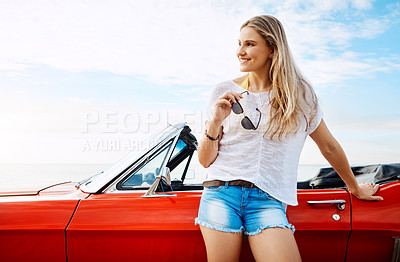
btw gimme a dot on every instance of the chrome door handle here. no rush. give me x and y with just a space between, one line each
339 203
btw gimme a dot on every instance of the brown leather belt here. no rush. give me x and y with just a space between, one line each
242 183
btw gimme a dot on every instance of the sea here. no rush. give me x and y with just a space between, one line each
29 176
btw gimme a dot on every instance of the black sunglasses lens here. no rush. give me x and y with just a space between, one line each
247 124
237 108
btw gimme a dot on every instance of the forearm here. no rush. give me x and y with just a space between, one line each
208 147
335 155
338 160
207 150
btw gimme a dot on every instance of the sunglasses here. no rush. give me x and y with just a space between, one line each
246 122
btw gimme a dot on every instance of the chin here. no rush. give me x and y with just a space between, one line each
244 69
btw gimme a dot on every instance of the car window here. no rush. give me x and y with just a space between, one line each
93 184
180 146
146 175
195 173
179 160
177 172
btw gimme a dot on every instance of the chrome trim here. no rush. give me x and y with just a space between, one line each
396 250
143 191
164 173
160 195
339 203
18 194
170 152
326 202
146 158
78 184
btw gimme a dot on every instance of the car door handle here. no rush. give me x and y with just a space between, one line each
339 203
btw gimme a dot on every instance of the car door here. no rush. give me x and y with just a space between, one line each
120 227
322 224
120 224
376 227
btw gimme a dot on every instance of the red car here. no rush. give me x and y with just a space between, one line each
134 212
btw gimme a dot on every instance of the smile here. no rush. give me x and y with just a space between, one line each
244 60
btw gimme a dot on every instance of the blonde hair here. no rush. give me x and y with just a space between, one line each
294 97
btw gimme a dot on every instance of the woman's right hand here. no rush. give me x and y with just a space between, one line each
223 105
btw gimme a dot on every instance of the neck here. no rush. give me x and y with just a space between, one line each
259 82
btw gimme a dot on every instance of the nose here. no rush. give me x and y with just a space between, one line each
240 51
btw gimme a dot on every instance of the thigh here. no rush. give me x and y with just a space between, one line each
275 244
222 246
264 211
220 209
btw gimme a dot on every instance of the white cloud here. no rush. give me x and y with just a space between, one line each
186 42
330 70
177 43
321 39
362 4
59 131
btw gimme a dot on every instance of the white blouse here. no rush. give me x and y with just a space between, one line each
249 155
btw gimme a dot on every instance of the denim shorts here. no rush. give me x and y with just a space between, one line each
238 209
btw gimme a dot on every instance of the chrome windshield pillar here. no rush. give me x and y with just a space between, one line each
164 173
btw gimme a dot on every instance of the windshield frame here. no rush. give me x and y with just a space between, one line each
97 183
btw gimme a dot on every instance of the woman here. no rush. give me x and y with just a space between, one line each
256 128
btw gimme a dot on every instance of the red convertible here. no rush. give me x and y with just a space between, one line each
143 209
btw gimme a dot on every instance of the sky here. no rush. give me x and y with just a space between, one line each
85 81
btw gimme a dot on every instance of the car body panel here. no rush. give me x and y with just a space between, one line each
118 226
35 190
31 226
19 193
375 225
317 233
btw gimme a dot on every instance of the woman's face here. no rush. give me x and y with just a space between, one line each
253 52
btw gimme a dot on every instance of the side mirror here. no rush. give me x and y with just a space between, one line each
166 176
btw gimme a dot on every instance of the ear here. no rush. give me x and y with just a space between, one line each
271 53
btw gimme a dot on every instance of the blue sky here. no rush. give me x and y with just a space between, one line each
82 79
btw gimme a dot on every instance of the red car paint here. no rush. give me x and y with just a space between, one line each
126 226
32 228
64 223
375 226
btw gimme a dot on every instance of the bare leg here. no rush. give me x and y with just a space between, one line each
222 246
275 244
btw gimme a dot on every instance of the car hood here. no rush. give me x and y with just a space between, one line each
59 188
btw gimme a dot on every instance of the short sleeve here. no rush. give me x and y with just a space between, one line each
316 120
217 91
210 108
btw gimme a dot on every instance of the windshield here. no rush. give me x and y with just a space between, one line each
134 155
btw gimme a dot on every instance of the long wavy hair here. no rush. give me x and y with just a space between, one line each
294 97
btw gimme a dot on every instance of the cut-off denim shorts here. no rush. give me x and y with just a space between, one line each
238 209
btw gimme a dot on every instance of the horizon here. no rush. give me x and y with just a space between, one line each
75 75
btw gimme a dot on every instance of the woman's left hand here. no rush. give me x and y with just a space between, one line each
366 192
